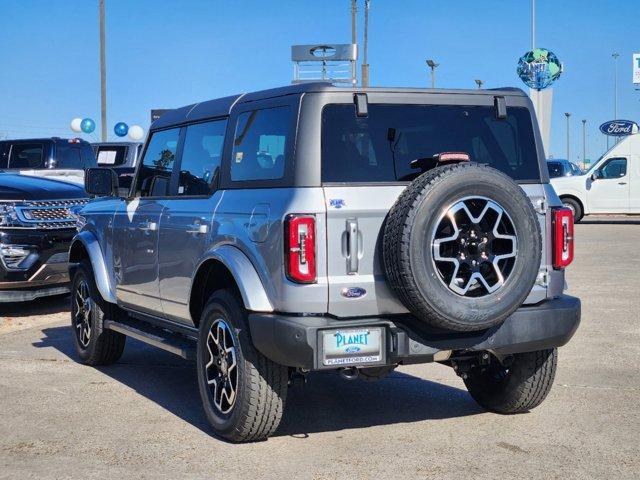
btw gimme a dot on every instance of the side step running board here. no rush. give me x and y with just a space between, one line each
177 344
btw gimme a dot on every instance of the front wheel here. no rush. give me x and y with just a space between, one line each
243 392
575 208
516 388
94 344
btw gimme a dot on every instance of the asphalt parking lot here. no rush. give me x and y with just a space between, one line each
141 418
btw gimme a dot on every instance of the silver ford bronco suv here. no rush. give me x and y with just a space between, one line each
312 227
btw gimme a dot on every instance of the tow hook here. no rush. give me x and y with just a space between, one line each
298 377
463 366
350 373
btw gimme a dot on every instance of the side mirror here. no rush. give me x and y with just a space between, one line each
101 182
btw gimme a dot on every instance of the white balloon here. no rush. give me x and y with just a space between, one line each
136 132
75 125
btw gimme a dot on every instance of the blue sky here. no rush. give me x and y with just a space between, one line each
163 54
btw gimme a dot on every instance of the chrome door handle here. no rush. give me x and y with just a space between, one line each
148 226
198 228
352 246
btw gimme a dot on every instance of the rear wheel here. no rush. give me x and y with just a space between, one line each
243 392
516 388
94 344
462 247
575 208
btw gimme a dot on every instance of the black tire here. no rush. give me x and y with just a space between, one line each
261 385
94 344
518 388
575 207
409 263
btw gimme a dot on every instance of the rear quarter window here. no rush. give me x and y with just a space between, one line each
381 146
26 155
111 156
555 169
260 144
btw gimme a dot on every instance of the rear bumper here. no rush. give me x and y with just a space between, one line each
295 341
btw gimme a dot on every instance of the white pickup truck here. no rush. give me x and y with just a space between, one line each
611 185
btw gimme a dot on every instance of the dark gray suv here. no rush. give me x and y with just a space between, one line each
312 227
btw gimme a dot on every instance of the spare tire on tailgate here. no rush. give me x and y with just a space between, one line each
462 247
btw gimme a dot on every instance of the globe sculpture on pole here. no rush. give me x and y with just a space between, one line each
539 68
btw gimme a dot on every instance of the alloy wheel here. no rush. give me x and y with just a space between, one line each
83 306
474 245
221 368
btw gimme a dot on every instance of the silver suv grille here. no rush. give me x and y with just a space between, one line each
50 214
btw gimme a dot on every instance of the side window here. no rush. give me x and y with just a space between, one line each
154 175
614 168
574 169
68 156
200 164
259 146
4 154
26 155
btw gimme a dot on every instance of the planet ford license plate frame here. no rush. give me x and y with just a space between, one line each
353 346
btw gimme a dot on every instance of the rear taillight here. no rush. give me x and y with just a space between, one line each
300 248
562 237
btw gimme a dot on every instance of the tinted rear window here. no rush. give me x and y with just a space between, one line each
27 155
381 146
112 156
556 169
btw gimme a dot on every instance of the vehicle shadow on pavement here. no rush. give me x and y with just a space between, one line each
326 403
40 306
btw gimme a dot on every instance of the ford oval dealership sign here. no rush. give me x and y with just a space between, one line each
619 128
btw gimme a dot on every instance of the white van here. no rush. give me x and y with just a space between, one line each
611 185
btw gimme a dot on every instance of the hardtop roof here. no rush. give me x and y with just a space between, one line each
222 106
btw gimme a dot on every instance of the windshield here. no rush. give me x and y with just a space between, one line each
381 146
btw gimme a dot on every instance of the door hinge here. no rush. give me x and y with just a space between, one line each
541 206
543 278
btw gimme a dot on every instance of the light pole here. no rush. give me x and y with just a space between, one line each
567 114
433 65
103 75
615 56
365 64
354 12
584 143
479 83
533 24
615 85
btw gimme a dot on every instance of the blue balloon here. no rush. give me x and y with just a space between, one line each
87 125
121 129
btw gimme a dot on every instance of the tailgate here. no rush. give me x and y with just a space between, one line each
355 216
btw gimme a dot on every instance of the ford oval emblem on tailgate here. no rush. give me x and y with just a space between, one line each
353 292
